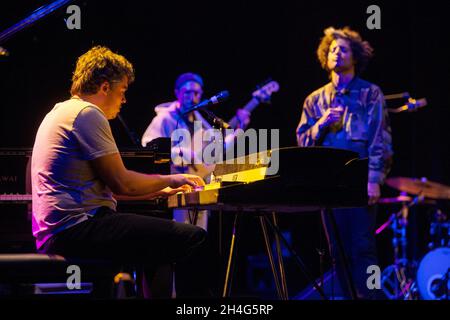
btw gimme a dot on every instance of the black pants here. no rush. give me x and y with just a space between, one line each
356 227
137 240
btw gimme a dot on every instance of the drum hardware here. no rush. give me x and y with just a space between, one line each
439 231
433 275
422 186
429 279
397 280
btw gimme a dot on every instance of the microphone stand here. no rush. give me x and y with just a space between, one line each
219 124
216 121
130 133
213 100
222 125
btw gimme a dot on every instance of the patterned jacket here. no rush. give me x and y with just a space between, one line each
364 127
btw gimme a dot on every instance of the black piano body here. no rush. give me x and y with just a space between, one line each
15 190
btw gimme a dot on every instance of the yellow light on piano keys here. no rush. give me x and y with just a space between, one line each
245 176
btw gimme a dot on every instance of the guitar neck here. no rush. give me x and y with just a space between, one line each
250 106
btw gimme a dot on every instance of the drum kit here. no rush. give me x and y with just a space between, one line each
430 278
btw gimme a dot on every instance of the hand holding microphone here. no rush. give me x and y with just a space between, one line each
332 116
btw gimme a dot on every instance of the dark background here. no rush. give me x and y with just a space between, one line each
235 46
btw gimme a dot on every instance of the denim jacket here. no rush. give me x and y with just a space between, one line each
364 127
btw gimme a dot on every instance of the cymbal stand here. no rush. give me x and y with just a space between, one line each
395 280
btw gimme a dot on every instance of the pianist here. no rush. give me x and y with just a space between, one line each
349 113
76 167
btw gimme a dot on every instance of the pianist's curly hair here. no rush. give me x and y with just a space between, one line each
96 66
362 51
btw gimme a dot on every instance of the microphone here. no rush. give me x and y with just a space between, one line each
414 104
411 106
403 95
221 96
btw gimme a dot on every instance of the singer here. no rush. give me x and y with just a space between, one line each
349 113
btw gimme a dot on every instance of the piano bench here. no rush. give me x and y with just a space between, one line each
30 274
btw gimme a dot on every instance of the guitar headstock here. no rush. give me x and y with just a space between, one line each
265 91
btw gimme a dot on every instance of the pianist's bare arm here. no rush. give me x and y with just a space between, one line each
164 193
126 182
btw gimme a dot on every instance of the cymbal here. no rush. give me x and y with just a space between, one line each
421 187
403 199
398 199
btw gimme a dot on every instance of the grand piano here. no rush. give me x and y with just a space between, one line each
307 179
15 190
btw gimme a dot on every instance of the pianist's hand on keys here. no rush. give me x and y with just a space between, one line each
185 182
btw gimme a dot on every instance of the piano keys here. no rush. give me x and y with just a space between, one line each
15 198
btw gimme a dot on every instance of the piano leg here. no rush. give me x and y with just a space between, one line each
220 230
271 260
193 216
231 259
280 259
298 260
281 289
341 252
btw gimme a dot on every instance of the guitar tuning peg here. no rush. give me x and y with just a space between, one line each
265 100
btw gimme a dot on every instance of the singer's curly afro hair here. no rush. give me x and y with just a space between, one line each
362 51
